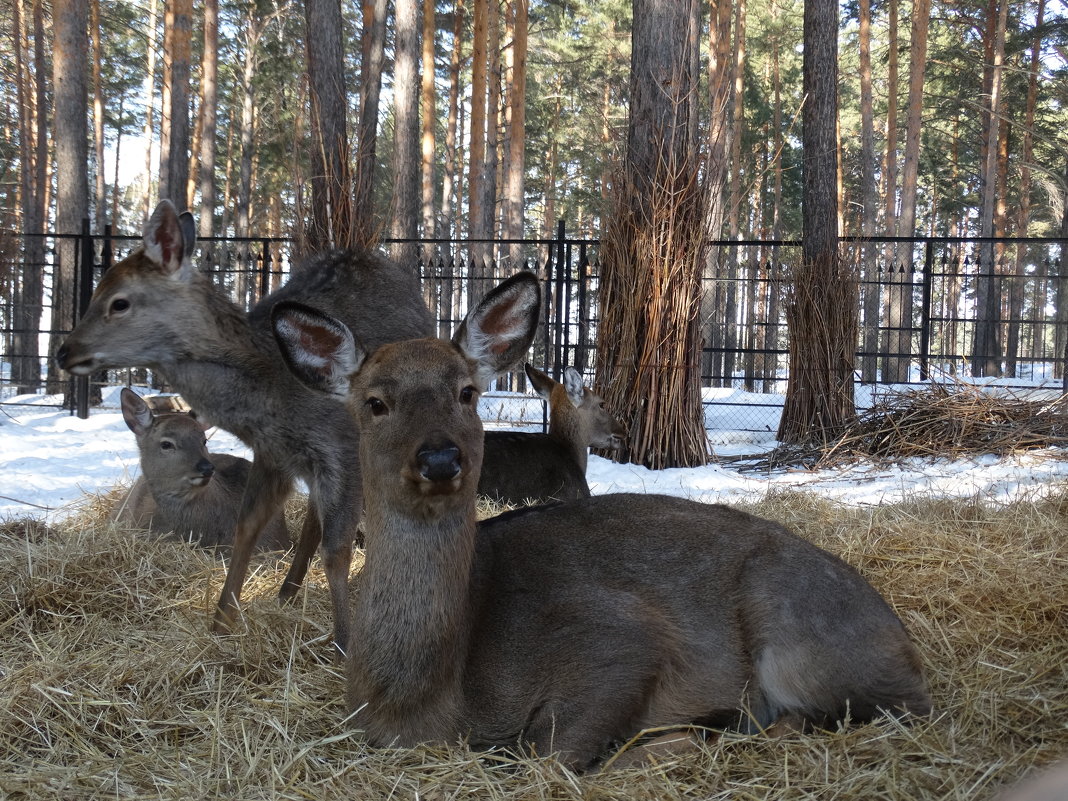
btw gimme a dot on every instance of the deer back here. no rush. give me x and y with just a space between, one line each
520 467
574 626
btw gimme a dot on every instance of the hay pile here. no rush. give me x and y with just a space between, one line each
942 420
111 687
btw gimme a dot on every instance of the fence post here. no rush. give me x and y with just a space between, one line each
561 274
265 269
925 310
82 294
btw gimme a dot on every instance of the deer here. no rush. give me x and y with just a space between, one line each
184 491
525 466
566 629
155 310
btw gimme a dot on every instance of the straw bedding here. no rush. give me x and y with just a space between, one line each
111 687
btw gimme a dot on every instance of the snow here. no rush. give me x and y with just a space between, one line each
50 460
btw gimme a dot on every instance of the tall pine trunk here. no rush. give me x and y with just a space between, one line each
822 310
372 48
406 169
654 249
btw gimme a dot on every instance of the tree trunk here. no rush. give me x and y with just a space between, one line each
450 178
822 313
654 249
209 67
891 365
70 21
177 54
372 49
476 158
406 192
149 92
100 206
1023 215
986 348
330 224
901 290
517 83
28 299
428 111
870 199
730 309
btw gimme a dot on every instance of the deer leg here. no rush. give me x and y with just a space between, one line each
340 521
311 533
265 493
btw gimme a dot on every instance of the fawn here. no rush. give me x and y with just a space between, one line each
570 627
523 466
183 490
154 309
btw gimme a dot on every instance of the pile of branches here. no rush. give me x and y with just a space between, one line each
941 420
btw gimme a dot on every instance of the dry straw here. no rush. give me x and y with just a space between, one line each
111 686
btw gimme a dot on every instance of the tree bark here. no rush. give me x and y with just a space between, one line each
70 21
451 174
330 224
406 165
428 112
174 158
149 92
209 68
654 249
372 48
476 158
822 312
986 347
100 205
870 200
517 82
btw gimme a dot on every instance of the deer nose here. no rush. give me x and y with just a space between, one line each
439 462
205 468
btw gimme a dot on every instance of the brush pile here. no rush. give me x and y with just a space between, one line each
111 686
947 421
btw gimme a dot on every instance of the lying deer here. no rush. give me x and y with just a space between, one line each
570 627
523 466
184 491
154 309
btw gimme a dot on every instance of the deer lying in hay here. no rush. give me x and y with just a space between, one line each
569 628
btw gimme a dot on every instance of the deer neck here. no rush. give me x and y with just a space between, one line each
565 426
412 615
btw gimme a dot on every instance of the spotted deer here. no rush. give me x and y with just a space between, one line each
154 309
568 628
525 466
183 491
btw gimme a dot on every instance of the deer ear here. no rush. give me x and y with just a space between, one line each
135 412
541 382
164 240
188 226
573 384
498 332
318 349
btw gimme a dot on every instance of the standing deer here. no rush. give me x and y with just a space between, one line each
523 466
183 490
154 309
570 627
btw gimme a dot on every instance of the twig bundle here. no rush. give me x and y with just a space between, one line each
945 420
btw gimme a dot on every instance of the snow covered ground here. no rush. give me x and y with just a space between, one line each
50 460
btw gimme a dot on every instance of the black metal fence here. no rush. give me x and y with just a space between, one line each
929 307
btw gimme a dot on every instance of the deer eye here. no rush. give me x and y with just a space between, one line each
119 305
167 445
467 394
377 407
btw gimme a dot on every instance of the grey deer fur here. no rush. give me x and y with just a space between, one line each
154 309
183 491
522 466
570 627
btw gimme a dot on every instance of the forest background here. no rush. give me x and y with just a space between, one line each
338 122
